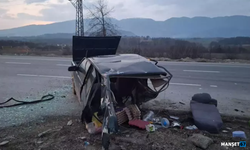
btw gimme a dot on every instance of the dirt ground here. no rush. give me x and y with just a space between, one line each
55 134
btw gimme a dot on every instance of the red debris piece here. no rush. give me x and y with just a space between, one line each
139 123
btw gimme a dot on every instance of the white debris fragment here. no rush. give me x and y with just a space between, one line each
4 143
70 123
82 138
39 142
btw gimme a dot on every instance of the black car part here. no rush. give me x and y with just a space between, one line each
94 46
19 102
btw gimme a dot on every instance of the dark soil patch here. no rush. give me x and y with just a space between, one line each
63 137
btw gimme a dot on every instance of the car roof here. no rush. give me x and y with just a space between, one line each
125 64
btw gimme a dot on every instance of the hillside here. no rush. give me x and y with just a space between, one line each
183 27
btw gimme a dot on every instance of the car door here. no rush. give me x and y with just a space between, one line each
85 67
88 83
79 77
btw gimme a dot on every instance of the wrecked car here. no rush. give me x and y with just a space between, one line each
104 81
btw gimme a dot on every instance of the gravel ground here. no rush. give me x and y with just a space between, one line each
60 136
21 125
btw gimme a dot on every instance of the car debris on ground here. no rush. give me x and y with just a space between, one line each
240 134
4 143
130 137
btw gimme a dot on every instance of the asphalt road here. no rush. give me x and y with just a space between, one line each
25 77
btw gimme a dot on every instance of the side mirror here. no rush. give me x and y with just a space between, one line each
73 68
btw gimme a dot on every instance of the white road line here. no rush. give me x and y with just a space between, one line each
64 65
185 84
215 86
27 75
37 58
209 64
204 71
19 63
46 76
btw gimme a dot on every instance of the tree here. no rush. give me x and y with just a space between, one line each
100 23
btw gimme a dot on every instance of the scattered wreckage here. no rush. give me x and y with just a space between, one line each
112 86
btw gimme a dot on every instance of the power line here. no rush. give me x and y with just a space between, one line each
79 17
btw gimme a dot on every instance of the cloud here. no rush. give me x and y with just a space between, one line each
3 11
55 12
26 16
34 1
5 15
58 12
192 8
4 1
62 10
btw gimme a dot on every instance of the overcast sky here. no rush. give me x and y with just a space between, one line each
15 13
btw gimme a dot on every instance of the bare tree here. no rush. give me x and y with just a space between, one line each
100 23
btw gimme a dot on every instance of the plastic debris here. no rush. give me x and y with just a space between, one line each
149 116
165 123
228 128
82 138
174 117
4 143
157 126
157 120
96 121
240 134
176 124
193 127
224 131
86 143
92 129
70 123
150 128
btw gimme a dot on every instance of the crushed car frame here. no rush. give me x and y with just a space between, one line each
104 81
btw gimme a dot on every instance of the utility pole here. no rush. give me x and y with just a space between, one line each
79 17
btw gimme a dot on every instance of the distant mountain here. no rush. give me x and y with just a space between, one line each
183 27
56 30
